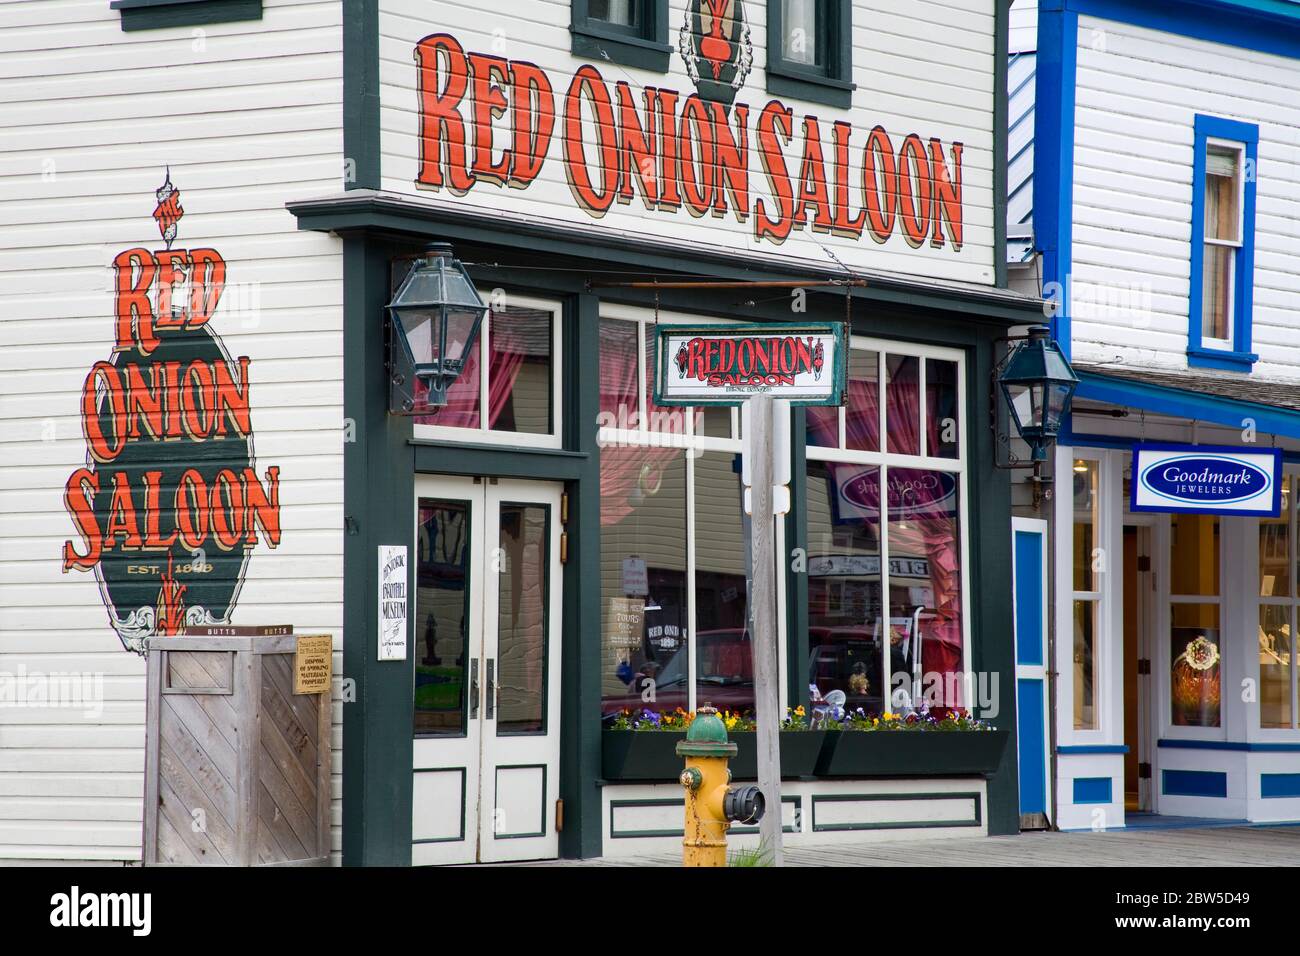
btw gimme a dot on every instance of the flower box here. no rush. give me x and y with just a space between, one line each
629 755
652 755
904 753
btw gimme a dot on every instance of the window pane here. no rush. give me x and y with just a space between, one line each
1216 294
941 430
519 376
823 426
1194 554
713 421
1194 665
845 612
1274 549
442 588
862 416
622 12
643 579
903 403
619 405
1086 474
800 42
1276 658
925 586
523 599
1085 665
1222 216
724 670
462 408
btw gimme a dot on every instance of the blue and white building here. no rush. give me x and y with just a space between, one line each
1154 193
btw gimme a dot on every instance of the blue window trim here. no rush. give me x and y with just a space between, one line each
1240 358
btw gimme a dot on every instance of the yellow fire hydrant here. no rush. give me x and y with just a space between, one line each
711 805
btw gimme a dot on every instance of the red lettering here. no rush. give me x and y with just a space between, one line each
78 495
731 153
589 83
947 195
490 75
441 124
153 540
101 448
636 147
666 103
532 121
775 123
842 225
134 310
207 282
879 184
813 195
263 506
914 191
696 130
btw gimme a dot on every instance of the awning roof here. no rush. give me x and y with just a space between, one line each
1273 406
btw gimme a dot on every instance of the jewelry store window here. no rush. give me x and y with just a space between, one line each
886 617
515 400
674 598
1279 600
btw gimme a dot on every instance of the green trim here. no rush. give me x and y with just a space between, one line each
161 14
1001 106
646 49
900 825
361 136
496 785
378 496
603 250
464 773
993 644
832 85
581 655
500 461
673 801
796 536
663 358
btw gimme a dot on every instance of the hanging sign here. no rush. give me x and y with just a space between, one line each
392 602
725 364
1207 480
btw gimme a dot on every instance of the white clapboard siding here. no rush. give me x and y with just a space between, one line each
1024 26
920 66
1138 93
248 116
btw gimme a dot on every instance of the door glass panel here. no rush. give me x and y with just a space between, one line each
442 593
1194 554
522 604
1194 668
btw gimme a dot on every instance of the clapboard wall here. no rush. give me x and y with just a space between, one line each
1138 93
922 67
247 116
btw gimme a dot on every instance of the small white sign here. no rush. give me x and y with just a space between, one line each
636 583
392 602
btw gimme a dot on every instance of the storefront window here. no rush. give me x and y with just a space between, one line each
907 650
673 588
644 656
1086 563
1277 614
1194 636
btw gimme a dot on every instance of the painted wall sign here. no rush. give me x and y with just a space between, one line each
488 119
392 602
169 504
1206 479
724 364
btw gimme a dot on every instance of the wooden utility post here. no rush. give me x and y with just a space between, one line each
763 629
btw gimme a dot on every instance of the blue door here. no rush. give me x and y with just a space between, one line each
1029 577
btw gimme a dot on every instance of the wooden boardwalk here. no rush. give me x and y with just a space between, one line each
1220 846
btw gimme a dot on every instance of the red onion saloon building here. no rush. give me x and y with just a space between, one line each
207 424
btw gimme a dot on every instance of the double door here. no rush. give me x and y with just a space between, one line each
487 670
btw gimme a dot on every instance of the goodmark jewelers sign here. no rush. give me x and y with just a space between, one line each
1207 480
725 364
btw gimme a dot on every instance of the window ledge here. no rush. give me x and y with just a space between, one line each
160 14
591 42
827 90
1221 359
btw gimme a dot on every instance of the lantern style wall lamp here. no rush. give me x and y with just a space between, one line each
1037 383
434 322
